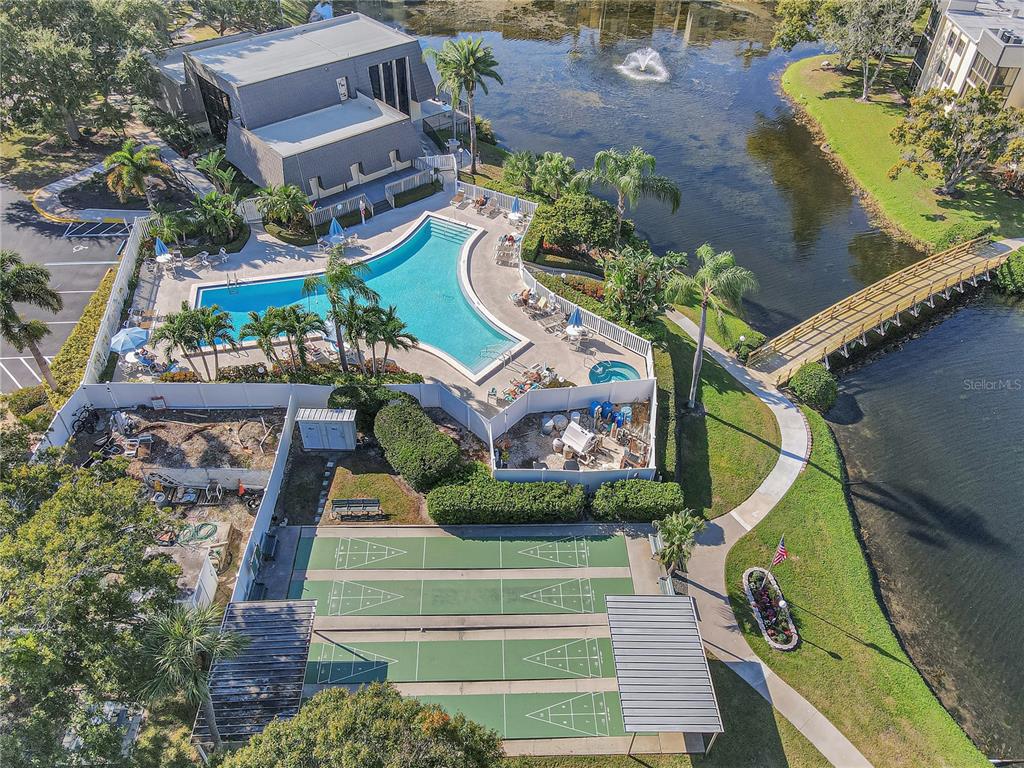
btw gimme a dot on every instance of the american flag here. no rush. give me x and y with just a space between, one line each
781 553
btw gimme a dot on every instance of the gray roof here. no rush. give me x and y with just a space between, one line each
988 15
325 414
172 62
663 676
270 55
327 126
265 680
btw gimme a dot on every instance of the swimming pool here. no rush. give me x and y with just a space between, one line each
419 275
604 371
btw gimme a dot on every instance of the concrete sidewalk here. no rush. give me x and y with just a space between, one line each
706 566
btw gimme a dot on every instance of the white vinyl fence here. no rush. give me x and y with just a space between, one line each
118 294
404 185
249 211
439 396
472 191
443 163
325 213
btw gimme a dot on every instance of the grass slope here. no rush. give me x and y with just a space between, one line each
756 736
849 665
723 457
859 135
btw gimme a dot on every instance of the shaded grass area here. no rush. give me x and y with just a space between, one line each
859 134
362 475
300 490
849 663
164 738
755 737
723 457
32 160
734 326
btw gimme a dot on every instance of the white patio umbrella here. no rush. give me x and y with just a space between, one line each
128 340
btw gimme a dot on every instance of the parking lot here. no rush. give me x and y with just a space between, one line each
76 267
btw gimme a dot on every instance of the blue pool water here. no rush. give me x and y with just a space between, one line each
604 371
419 276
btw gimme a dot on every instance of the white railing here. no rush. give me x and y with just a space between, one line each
473 191
118 294
404 185
324 214
249 211
596 323
440 162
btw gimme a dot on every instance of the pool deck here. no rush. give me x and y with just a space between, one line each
265 256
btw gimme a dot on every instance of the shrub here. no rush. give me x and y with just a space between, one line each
815 386
184 376
1010 275
484 500
578 219
961 232
751 340
324 374
566 291
637 501
23 400
414 446
416 193
39 418
366 396
69 364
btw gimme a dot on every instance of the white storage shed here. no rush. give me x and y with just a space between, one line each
327 429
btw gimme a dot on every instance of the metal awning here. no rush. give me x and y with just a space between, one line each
663 676
264 681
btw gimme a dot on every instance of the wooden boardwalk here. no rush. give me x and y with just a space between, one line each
876 308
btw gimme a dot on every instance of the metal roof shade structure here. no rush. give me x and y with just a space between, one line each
325 414
662 671
264 681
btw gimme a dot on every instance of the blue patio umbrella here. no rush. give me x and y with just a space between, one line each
336 229
128 340
160 249
575 319
515 204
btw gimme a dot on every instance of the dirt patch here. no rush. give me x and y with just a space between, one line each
303 481
471 446
94 193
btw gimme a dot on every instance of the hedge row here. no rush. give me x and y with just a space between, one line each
1010 275
637 501
69 365
815 385
484 500
417 193
22 401
414 446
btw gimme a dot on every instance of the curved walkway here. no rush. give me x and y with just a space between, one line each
706 566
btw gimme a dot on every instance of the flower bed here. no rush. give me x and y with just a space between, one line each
764 596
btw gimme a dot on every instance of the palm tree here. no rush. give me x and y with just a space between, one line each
128 170
631 174
215 216
352 316
469 63
181 645
554 174
678 532
395 335
373 332
340 277
215 327
265 329
519 168
180 330
285 204
300 323
22 283
720 284
170 226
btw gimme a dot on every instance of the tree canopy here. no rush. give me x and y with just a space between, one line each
76 584
372 728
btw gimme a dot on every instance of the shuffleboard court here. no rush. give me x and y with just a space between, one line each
451 660
455 597
540 715
436 552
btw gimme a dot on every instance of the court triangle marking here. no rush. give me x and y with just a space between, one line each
572 596
584 651
585 714
358 553
366 662
570 552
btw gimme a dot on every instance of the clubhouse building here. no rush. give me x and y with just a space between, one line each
324 106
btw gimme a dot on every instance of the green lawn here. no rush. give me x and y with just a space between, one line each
359 476
723 457
734 326
756 736
849 665
859 135
32 160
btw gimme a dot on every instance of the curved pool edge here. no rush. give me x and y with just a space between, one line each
518 341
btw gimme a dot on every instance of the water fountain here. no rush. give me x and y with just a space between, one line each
645 65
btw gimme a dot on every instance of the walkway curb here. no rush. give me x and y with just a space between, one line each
706 566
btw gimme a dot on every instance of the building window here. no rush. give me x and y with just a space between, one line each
948 77
388 71
402 73
217 106
981 72
951 39
375 81
960 45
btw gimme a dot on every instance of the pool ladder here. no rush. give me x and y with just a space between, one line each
233 282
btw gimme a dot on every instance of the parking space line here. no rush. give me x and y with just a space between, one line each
75 291
25 363
61 322
75 263
10 375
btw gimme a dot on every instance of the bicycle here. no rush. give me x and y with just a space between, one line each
84 419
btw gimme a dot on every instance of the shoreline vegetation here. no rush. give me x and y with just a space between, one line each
855 136
850 663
